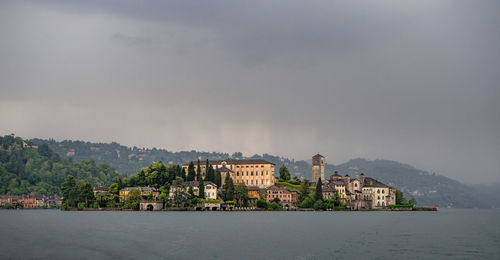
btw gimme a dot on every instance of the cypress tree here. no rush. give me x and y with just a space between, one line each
228 188
198 171
191 174
201 189
210 175
206 170
218 178
182 173
319 190
304 190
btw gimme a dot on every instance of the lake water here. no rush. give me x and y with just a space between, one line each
53 234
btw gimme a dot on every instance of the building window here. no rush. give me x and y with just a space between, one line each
378 204
383 191
355 185
378 191
378 197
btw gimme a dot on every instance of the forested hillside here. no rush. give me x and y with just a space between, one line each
26 168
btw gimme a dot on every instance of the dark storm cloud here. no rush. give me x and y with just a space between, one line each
415 82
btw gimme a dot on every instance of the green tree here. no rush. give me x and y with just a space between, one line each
133 200
201 189
228 188
262 204
183 173
319 191
242 193
198 171
210 176
308 202
412 202
319 205
191 173
70 191
304 190
400 199
86 194
218 178
163 198
190 192
179 192
284 173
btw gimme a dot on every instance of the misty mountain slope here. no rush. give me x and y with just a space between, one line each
428 189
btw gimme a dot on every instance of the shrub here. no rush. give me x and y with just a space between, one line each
230 202
261 204
274 206
319 205
96 205
308 202
81 205
64 206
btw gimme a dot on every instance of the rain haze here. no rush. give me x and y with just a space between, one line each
412 81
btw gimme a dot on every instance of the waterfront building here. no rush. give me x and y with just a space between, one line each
285 196
144 191
251 172
210 189
29 202
254 193
362 193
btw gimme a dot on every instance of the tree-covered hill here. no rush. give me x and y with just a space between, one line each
26 168
127 160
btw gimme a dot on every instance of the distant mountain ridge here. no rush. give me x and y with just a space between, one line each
429 189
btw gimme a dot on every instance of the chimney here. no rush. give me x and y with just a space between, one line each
347 179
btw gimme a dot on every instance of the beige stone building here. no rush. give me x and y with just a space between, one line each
252 172
318 168
367 193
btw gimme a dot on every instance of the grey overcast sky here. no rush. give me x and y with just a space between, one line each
412 81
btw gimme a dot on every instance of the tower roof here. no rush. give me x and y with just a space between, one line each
318 156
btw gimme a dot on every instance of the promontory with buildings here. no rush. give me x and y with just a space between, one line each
237 184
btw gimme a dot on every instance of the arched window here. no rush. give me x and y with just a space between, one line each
383 204
378 191
383 191
378 197
378 204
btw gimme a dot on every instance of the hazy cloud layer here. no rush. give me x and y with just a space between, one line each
416 82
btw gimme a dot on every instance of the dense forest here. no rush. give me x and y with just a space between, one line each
26 168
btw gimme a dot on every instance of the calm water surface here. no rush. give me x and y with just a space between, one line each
52 234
